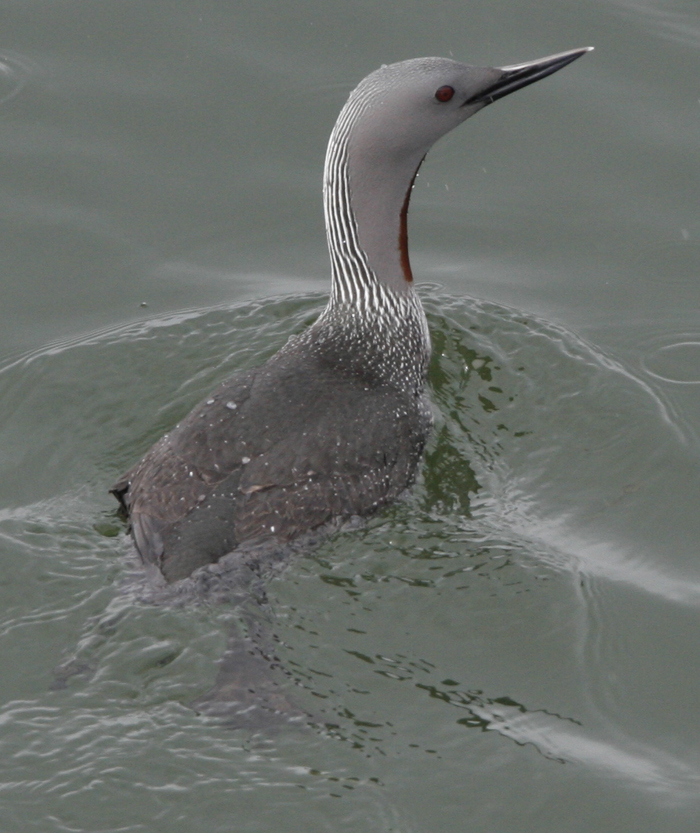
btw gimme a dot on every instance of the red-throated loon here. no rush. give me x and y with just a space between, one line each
334 424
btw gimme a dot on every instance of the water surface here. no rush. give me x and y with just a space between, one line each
511 648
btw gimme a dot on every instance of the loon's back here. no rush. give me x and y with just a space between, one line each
272 453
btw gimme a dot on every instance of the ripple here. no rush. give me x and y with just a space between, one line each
678 362
15 72
540 477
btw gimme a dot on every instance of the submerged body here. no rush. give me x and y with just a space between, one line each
334 424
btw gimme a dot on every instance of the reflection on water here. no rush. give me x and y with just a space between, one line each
481 589
558 738
565 740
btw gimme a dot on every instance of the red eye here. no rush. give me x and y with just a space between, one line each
444 93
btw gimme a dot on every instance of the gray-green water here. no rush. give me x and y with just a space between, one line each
515 647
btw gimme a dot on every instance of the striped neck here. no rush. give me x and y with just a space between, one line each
366 203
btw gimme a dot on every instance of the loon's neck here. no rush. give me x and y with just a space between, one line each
373 306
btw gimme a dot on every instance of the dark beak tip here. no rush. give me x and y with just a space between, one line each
522 75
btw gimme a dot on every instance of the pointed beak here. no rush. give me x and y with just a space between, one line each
519 76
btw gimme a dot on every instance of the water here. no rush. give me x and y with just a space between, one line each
513 647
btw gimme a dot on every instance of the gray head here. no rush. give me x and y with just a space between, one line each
406 107
391 120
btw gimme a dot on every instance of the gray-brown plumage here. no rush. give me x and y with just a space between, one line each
272 453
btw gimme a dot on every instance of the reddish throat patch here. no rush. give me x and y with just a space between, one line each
403 230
